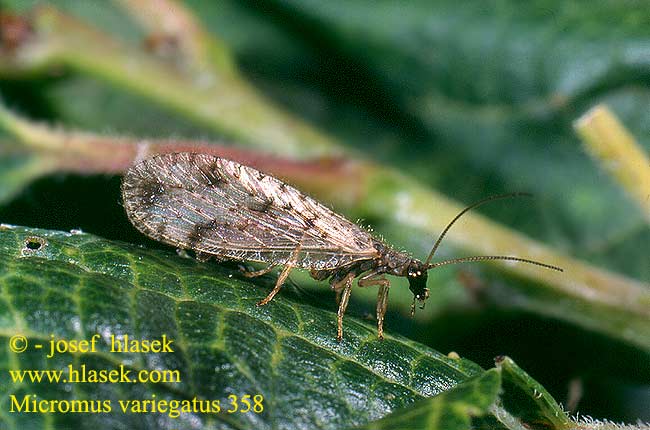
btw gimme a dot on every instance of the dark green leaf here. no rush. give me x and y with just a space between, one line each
450 410
527 400
74 285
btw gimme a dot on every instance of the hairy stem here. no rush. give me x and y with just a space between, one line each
221 100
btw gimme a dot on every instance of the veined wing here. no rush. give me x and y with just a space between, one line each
219 207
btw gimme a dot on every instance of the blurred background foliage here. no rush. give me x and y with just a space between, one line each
471 98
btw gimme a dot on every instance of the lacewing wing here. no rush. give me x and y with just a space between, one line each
221 208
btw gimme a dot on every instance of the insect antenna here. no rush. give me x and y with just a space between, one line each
493 257
481 257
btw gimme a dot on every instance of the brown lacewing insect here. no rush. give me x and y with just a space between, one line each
219 208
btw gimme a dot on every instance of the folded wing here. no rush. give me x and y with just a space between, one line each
219 207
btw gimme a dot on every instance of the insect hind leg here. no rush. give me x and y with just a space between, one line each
278 284
290 264
382 298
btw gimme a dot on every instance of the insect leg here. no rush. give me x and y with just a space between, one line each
382 298
337 285
290 264
382 303
256 273
346 287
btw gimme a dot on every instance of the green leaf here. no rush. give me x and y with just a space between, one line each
75 285
527 400
506 392
450 410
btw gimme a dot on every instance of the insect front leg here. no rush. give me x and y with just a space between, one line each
344 288
382 297
290 264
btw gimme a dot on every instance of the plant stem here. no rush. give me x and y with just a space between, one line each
394 196
617 152
176 35
363 187
225 103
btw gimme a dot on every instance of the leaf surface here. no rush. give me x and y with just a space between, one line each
75 285
451 410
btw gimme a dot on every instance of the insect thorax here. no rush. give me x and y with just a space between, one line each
391 261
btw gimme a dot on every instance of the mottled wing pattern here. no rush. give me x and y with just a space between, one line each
219 207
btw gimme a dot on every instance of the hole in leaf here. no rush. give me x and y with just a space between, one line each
34 243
